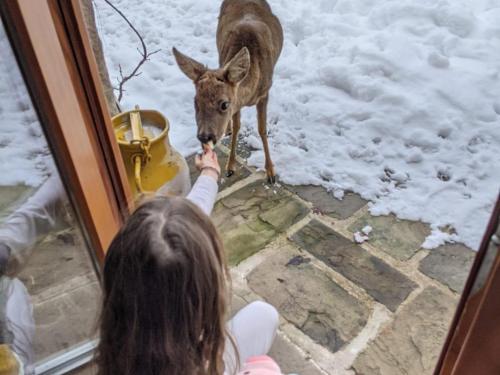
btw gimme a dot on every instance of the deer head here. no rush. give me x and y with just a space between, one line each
216 92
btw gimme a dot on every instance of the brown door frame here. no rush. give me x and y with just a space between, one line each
473 342
61 76
84 58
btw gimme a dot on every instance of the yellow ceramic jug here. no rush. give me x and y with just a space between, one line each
153 165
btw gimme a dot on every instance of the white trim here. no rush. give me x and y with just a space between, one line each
63 362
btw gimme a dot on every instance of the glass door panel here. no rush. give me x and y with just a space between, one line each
49 289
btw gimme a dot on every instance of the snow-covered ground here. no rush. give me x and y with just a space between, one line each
24 155
398 100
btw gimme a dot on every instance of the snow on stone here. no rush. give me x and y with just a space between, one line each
367 230
359 237
363 235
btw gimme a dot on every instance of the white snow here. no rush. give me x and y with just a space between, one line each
360 237
367 230
363 235
397 100
24 154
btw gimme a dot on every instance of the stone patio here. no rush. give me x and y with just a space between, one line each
378 308
381 307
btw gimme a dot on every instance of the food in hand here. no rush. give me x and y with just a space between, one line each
208 146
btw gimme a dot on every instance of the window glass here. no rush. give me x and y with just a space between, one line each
49 291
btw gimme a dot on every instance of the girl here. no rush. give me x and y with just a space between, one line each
166 295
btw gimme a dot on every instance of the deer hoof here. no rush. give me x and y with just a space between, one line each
271 180
229 173
271 174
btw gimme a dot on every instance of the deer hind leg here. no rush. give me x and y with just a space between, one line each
262 120
234 140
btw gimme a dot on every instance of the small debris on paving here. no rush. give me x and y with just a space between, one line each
363 236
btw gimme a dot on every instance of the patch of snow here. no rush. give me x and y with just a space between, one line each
360 237
395 100
253 142
363 235
367 230
438 238
339 194
25 158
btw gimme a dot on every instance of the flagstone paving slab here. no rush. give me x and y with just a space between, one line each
66 320
240 173
401 239
249 218
412 343
283 352
308 298
382 282
290 360
449 264
325 203
56 261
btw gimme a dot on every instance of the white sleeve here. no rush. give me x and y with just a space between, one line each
204 193
39 215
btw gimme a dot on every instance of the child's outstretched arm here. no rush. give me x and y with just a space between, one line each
204 191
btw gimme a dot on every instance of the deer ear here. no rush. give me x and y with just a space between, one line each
192 68
237 68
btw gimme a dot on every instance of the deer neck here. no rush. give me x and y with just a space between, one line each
246 92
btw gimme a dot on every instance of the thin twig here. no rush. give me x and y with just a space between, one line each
145 55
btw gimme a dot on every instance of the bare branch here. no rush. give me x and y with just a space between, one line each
144 54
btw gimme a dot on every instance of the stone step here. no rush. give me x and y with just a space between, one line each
325 203
308 298
401 239
251 217
382 282
412 343
449 264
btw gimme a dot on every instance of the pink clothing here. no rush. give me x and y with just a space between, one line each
260 365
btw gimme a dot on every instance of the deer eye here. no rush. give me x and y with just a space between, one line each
224 106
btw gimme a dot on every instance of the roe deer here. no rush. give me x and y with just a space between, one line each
249 41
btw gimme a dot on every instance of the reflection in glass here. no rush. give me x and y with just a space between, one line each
48 287
487 263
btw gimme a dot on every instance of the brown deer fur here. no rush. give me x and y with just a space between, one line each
249 41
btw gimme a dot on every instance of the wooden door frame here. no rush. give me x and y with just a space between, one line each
473 342
61 76
92 85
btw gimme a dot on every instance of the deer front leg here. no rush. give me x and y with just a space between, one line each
234 140
262 120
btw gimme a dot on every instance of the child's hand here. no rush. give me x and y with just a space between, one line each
208 164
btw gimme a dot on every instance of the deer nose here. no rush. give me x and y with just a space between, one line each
207 137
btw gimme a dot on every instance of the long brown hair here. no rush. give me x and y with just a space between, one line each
164 286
